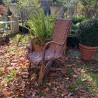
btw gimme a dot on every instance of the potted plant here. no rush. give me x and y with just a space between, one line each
41 26
88 36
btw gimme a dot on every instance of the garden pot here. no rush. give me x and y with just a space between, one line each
23 30
37 47
87 52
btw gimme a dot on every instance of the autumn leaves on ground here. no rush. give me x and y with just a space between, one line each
79 81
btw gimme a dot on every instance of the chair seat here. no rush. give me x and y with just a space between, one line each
36 57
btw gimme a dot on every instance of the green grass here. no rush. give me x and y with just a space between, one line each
86 77
12 35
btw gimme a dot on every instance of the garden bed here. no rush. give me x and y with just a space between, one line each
79 81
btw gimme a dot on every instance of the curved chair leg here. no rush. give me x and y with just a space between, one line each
41 73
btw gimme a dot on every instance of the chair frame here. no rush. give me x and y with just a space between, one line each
44 68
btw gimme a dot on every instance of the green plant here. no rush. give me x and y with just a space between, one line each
74 29
88 32
27 7
78 18
41 26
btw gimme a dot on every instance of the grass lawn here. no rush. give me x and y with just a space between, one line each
79 81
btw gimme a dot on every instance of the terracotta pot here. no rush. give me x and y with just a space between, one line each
37 47
87 52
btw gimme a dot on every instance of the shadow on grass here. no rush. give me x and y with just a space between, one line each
12 35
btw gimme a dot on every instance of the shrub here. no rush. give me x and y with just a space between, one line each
88 32
78 18
74 29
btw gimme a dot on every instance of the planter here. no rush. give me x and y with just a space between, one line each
87 52
37 47
23 30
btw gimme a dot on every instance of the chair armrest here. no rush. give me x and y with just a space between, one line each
46 45
30 46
